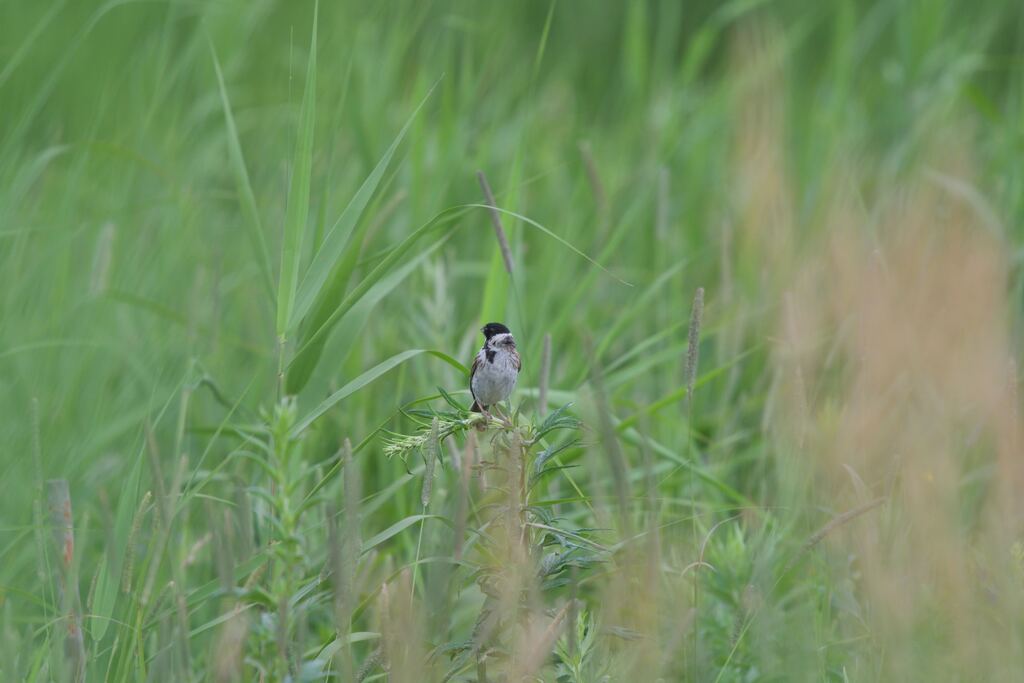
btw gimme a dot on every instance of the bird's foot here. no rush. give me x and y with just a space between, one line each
502 419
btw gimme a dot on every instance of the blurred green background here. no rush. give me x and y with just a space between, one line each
130 284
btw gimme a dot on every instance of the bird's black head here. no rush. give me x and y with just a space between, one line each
491 329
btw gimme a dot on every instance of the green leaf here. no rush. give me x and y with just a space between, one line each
366 378
494 304
394 530
394 256
109 575
309 351
304 364
298 195
217 621
242 185
550 234
338 236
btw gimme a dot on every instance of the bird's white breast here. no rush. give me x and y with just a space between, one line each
494 382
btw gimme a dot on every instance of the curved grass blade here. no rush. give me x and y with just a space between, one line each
550 234
298 195
366 378
395 529
387 263
439 220
652 295
304 364
110 571
242 185
337 237
499 273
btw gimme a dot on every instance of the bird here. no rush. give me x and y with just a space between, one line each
495 368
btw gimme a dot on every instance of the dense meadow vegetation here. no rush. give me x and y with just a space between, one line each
761 258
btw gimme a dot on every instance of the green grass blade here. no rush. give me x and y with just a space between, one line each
496 285
305 362
365 379
110 572
383 268
550 234
394 530
338 236
298 195
242 185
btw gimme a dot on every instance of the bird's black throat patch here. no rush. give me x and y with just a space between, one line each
489 352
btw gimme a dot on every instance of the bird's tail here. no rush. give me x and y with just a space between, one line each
475 408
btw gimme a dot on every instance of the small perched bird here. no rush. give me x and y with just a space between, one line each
495 368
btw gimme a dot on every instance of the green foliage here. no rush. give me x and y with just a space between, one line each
228 249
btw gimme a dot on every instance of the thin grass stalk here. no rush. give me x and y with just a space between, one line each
38 522
1013 398
594 178
462 509
164 520
347 546
610 442
353 494
651 495
545 375
334 553
222 557
483 631
692 361
499 230
230 647
284 657
65 578
341 618
184 649
402 636
431 454
243 503
37 448
518 495
540 649
182 424
158 474
693 344
129 559
661 218
574 608
101 259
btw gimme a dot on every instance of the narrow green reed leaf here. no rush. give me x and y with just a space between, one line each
387 263
499 273
118 550
298 195
365 379
394 530
306 360
439 220
243 187
552 235
337 237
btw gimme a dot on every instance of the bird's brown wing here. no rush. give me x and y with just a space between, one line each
517 361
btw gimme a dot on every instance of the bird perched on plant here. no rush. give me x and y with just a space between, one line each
495 368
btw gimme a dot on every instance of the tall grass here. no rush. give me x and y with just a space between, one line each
246 249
